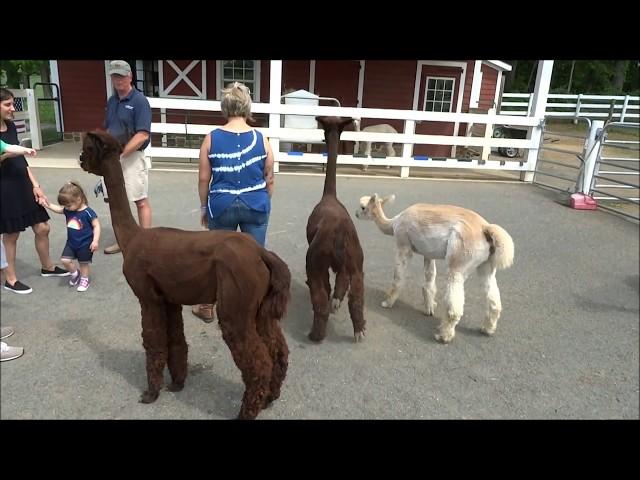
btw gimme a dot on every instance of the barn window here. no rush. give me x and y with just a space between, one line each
439 94
245 71
146 77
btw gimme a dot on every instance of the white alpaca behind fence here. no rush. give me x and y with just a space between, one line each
461 237
380 128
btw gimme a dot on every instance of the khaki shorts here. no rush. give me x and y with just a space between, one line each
136 176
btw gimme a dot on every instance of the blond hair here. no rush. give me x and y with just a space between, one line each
236 101
71 192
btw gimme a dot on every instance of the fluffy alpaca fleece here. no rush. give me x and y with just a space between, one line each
461 237
167 268
333 245
380 128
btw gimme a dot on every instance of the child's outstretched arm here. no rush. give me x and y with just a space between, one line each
53 207
95 223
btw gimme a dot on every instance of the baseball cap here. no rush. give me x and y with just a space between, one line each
119 67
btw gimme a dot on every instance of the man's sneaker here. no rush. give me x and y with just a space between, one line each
84 284
6 332
9 353
56 272
115 248
74 278
18 287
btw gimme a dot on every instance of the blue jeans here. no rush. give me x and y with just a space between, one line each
239 215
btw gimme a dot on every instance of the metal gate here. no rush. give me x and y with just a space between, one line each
561 167
50 113
616 177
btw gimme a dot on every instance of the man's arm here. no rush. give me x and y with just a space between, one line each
142 125
135 142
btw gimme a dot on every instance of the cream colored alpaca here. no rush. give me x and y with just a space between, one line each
381 128
461 237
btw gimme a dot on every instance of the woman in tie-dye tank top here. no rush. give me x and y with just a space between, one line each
235 180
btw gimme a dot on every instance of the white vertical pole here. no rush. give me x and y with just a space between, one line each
496 97
577 114
475 84
538 107
312 75
34 120
55 78
108 79
275 92
361 83
407 148
488 133
593 148
456 125
163 119
624 108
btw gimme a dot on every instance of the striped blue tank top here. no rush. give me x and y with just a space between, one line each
237 171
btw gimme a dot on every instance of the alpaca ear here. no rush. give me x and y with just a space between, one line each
374 198
388 199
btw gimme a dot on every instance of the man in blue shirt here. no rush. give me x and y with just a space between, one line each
128 118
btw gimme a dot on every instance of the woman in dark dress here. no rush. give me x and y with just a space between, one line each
20 204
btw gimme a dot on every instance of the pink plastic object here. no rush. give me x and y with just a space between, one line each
580 201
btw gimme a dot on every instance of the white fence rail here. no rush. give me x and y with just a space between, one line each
300 135
625 107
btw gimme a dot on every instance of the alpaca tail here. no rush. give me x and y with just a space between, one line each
502 246
274 304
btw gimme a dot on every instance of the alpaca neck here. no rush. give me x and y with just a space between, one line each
384 224
124 226
332 138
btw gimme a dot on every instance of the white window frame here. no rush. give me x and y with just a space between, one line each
426 88
255 92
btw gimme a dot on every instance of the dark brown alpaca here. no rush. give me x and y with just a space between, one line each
333 243
167 268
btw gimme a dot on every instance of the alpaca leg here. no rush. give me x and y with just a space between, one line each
454 302
340 290
320 302
251 356
487 276
429 289
356 305
177 360
390 151
403 255
272 336
154 340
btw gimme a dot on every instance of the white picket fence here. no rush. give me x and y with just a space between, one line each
408 137
625 107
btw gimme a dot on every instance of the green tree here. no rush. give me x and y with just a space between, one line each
18 71
596 77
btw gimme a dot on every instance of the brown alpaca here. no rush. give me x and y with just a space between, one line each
333 243
167 268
